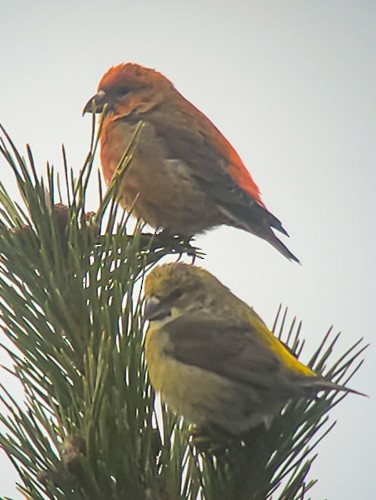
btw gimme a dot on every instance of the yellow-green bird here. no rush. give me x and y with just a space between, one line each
212 358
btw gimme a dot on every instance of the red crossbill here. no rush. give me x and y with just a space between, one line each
185 174
212 358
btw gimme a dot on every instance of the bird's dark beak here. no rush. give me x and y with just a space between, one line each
154 309
96 103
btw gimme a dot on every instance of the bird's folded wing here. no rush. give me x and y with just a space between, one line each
222 348
214 164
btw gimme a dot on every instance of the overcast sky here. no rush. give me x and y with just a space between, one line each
292 85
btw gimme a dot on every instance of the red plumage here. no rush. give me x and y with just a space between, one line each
186 175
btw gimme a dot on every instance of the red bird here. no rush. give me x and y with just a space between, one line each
187 176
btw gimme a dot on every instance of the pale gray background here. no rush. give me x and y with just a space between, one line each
292 85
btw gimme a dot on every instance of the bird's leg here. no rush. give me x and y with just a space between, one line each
211 439
178 244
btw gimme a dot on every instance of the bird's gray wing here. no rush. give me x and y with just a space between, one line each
193 139
232 351
210 158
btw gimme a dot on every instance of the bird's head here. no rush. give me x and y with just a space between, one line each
175 289
129 88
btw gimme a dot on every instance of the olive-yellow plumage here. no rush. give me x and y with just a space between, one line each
212 358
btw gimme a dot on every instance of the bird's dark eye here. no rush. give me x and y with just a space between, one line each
176 294
122 92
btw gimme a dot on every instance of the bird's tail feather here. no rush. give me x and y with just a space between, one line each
322 384
269 236
258 220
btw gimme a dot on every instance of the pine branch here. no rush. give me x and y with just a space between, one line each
68 280
90 426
